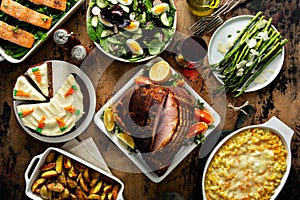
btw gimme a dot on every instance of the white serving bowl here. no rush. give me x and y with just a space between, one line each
147 58
276 126
33 171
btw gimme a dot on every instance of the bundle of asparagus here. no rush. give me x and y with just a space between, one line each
255 47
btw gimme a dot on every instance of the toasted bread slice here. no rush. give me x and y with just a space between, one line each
56 4
16 35
25 14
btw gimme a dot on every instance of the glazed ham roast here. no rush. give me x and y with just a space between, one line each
158 119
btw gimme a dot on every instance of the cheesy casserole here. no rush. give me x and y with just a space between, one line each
249 165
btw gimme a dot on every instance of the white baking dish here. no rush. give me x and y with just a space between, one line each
279 128
4 56
33 171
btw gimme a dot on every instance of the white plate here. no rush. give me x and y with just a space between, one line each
277 127
136 157
230 27
140 60
60 71
49 33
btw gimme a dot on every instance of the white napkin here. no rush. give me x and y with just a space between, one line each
88 151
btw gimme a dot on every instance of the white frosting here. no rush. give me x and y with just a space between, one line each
44 84
22 84
56 108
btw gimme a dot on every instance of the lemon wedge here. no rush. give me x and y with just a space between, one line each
160 72
108 119
127 139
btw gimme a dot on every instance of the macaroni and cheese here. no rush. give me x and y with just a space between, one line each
249 165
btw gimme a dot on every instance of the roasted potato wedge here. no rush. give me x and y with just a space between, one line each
94 181
49 174
103 195
71 183
48 166
37 184
65 194
96 188
108 188
86 175
67 162
59 163
80 193
45 193
56 187
73 196
94 196
84 186
79 167
115 191
72 173
62 178
110 196
50 157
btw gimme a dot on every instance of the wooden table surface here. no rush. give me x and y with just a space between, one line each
279 99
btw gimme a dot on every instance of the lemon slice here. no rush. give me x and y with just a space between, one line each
127 139
108 119
160 72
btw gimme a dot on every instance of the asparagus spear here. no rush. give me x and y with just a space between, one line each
241 52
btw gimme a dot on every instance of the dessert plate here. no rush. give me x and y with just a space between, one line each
136 157
60 71
230 29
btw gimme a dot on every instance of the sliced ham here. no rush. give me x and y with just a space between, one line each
158 118
168 123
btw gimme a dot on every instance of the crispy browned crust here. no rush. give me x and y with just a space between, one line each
25 14
16 35
56 4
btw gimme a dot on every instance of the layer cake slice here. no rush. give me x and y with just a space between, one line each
41 74
23 90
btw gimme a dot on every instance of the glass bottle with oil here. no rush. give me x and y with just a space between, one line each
202 7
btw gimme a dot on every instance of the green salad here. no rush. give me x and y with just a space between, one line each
131 29
40 34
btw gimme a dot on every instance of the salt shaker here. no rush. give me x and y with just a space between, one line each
65 39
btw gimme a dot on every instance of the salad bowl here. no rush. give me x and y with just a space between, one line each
131 31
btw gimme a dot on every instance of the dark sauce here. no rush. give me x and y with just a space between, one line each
194 49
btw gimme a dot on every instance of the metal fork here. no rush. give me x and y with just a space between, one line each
217 20
205 20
